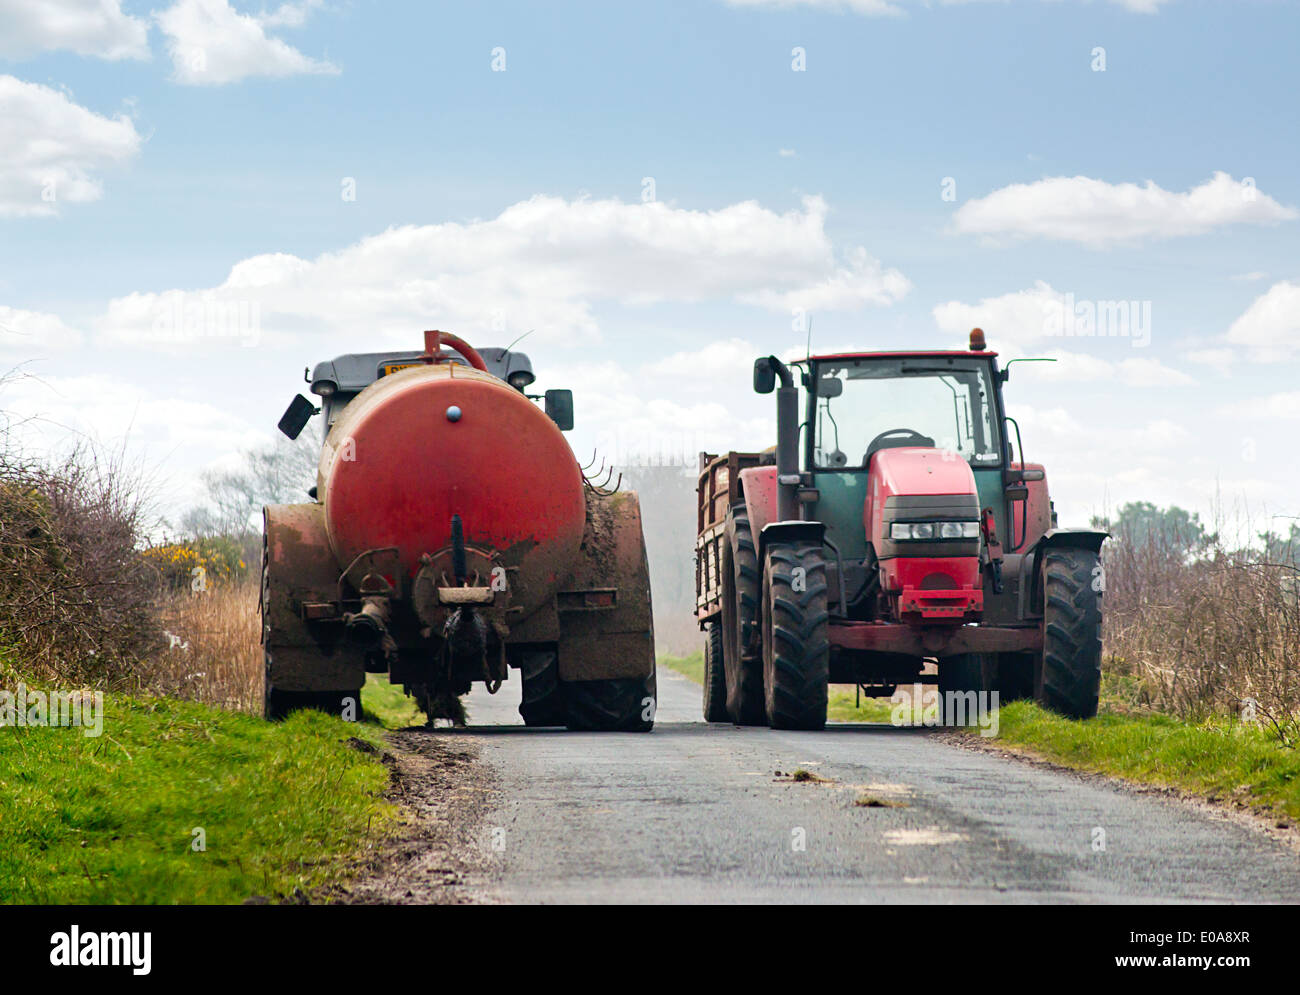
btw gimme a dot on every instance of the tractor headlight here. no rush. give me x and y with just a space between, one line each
904 531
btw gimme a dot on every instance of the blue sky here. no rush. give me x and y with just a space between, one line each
197 170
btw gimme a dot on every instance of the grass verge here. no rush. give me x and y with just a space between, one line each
388 705
115 818
1220 759
842 705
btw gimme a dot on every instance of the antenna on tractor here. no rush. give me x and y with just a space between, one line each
808 347
508 354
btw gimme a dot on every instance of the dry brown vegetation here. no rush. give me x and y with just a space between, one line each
213 652
1197 627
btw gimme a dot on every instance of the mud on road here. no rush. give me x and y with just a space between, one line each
437 855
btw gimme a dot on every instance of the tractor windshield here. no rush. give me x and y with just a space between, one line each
862 405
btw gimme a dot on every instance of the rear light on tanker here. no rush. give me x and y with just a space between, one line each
903 531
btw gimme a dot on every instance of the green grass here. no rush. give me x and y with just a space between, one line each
1219 758
840 707
111 819
689 666
388 705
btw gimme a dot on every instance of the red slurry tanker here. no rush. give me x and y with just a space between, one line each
452 538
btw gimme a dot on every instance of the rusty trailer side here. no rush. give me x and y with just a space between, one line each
717 490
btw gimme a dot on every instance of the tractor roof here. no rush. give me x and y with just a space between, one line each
357 370
905 354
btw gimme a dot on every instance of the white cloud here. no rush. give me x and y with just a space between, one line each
87 27
863 281
1212 357
542 263
720 358
211 43
1145 372
1281 405
48 412
1074 367
1270 328
29 334
1010 321
1097 213
786 153
52 148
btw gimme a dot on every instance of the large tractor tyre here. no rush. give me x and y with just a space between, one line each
346 704
1069 677
715 676
741 588
621 704
542 702
796 641
963 679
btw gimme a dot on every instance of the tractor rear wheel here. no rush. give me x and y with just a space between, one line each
715 675
741 585
1069 676
796 643
542 703
624 704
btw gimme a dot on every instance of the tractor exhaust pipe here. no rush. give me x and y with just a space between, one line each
766 371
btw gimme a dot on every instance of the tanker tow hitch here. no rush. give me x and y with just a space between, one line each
368 628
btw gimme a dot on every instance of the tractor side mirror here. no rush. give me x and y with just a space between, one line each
764 376
830 387
559 408
296 416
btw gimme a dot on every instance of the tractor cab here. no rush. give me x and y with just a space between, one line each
337 381
929 423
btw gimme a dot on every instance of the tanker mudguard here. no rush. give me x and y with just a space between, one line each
299 569
606 628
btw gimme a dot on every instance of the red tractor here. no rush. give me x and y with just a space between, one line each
452 538
893 524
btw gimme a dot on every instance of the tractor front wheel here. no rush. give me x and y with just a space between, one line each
715 676
1068 680
796 644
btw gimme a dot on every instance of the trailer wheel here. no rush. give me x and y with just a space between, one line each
796 645
1069 675
741 585
715 675
624 704
542 702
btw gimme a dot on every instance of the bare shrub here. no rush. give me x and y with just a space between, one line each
1198 627
77 600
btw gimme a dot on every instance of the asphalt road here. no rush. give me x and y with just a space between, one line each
694 812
